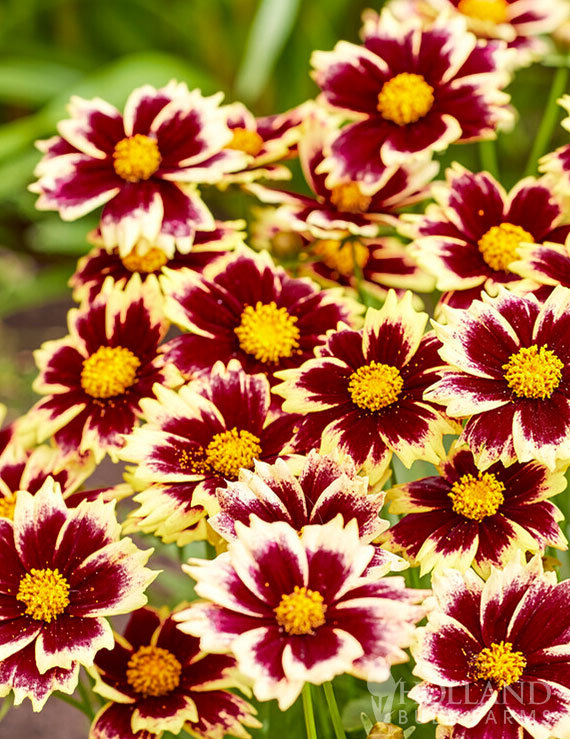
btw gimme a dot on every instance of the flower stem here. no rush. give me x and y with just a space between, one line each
488 157
6 705
334 712
309 712
75 703
85 700
549 119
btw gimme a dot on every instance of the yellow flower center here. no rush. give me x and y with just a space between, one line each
339 255
533 372
136 158
7 506
499 245
150 261
109 372
45 593
153 671
230 451
485 10
498 664
301 612
477 497
267 332
245 140
375 386
405 98
347 197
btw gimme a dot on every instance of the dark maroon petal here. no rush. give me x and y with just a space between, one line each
535 209
356 150
141 626
492 430
112 665
90 180
114 722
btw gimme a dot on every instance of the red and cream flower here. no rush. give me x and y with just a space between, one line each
143 166
295 609
557 163
158 679
470 237
468 517
64 571
193 440
495 655
547 264
509 375
414 90
245 307
363 391
95 378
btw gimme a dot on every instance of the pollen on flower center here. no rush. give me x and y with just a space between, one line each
267 332
109 372
405 98
375 386
499 245
153 671
136 158
230 451
245 140
533 372
7 506
45 593
301 612
495 11
498 664
150 261
477 497
341 255
348 197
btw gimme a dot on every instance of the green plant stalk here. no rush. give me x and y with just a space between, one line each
334 712
309 712
488 157
85 700
549 119
75 703
6 705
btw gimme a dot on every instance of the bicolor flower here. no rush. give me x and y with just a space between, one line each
245 307
470 237
157 679
363 392
557 163
143 166
295 609
413 90
95 378
495 655
509 375
468 517
64 571
195 439
546 264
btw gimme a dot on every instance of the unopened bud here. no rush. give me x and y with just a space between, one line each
386 731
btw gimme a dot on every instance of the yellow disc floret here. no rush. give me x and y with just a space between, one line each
533 372
230 451
348 197
498 664
301 612
495 11
245 140
109 372
45 594
136 158
499 245
150 261
267 332
7 505
375 386
153 672
477 497
340 255
405 98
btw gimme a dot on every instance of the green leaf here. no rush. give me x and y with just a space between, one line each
33 82
34 290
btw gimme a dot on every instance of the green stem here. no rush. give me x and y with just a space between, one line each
75 703
334 712
549 120
6 705
309 712
488 157
85 700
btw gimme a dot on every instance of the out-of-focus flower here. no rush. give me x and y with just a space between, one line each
295 609
468 517
143 166
158 679
64 571
557 163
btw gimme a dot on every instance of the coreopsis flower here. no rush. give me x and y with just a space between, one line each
157 679
193 440
95 378
94 268
295 609
143 166
470 237
64 571
363 390
547 264
557 163
467 517
245 307
509 375
494 655
414 90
